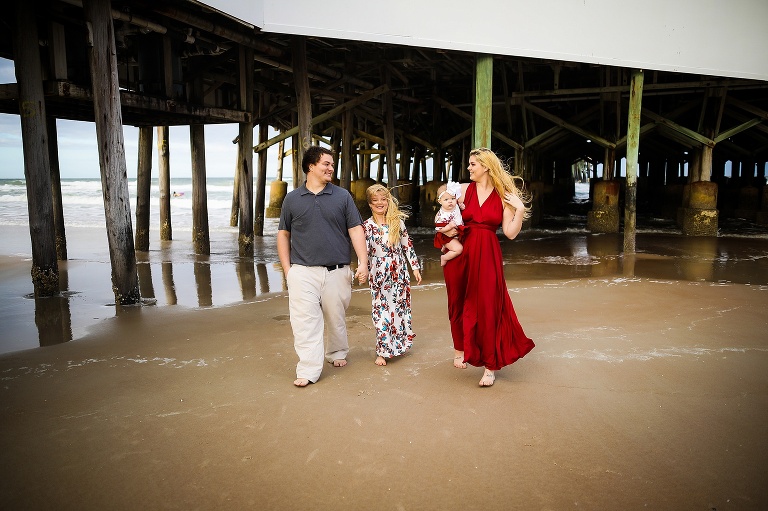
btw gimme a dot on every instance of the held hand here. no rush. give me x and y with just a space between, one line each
514 201
417 275
361 274
450 230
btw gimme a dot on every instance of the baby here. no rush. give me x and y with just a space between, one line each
447 197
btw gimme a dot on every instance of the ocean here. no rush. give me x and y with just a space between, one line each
83 203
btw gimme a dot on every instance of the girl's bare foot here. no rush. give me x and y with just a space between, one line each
488 378
458 360
301 382
380 361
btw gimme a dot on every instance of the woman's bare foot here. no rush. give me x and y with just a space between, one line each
380 361
301 382
340 362
488 378
458 360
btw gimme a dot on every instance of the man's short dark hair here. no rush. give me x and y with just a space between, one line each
312 155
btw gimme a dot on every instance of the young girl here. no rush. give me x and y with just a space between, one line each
447 196
390 249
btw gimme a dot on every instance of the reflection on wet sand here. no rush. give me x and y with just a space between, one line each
53 318
247 278
168 285
209 281
202 271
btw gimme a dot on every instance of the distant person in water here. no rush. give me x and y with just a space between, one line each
318 221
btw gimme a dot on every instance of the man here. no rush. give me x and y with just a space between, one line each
317 223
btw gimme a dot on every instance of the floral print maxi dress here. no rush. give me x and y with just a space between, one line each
390 288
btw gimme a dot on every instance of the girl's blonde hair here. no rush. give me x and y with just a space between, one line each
502 179
394 216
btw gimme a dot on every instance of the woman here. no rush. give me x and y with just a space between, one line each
390 249
484 325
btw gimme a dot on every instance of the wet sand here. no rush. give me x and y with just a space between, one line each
648 388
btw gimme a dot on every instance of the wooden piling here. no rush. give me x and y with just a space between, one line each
245 151
261 174
303 102
45 270
164 182
109 135
143 187
633 147
481 123
58 207
201 240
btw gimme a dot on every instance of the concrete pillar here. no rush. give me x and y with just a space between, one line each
604 216
700 215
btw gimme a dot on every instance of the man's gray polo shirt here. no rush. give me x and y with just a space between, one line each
319 225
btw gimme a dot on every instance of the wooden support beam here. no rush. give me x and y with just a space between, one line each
37 171
464 134
737 129
58 207
389 135
143 188
570 127
324 116
245 154
482 122
347 156
303 98
109 135
164 182
633 149
261 173
201 241
680 129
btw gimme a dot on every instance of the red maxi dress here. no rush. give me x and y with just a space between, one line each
483 321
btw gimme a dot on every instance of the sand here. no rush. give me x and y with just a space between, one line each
641 393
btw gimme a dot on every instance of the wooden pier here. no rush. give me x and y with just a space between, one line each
160 64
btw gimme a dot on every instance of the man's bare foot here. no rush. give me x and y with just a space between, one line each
488 378
458 360
301 382
340 362
380 361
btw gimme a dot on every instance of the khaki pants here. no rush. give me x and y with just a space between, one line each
318 298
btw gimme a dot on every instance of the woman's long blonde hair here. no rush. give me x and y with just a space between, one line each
394 215
502 179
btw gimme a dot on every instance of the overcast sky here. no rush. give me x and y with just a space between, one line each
79 158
